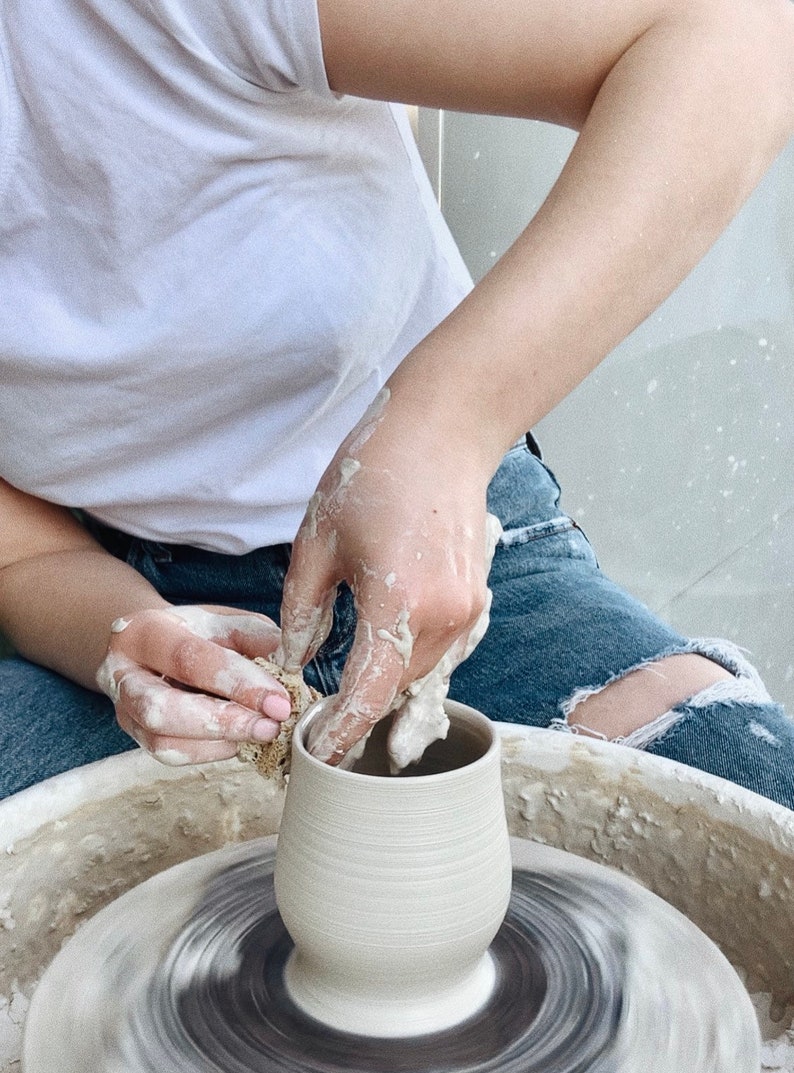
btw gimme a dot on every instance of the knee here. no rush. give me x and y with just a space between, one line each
767 61
705 707
639 706
746 742
642 696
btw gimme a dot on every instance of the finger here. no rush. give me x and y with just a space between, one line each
308 603
247 632
165 643
384 660
370 682
149 708
179 752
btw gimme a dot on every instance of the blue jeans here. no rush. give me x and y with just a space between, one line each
560 629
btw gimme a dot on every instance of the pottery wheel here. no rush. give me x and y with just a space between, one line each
184 974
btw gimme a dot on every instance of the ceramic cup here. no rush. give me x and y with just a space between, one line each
392 888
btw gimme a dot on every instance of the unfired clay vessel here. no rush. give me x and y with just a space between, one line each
395 943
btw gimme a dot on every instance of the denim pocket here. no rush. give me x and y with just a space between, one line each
525 496
556 545
525 533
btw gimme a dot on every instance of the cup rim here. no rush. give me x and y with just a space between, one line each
454 710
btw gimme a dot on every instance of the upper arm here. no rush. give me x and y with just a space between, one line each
541 59
30 526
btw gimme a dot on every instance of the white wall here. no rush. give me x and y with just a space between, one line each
677 454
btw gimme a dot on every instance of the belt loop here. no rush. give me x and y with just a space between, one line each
160 553
534 446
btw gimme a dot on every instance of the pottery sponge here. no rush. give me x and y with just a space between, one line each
271 759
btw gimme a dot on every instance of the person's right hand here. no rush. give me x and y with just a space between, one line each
184 684
408 530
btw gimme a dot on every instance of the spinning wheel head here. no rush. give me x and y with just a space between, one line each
185 973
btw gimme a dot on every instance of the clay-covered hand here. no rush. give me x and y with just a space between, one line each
184 684
404 524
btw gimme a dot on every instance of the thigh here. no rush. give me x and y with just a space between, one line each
559 626
49 725
749 742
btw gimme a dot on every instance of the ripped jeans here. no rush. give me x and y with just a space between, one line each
560 631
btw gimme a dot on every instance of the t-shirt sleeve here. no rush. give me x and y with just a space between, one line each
274 44
303 47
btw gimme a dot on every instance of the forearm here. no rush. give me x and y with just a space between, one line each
57 607
681 107
620 230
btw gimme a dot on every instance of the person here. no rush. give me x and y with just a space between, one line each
246 380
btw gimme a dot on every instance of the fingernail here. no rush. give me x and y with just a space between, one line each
277 707
263 730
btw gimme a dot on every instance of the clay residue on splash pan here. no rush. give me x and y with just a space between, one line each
71 867
715 852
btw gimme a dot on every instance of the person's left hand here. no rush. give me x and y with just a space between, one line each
184 683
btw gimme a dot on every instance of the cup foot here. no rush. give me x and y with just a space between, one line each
385 1016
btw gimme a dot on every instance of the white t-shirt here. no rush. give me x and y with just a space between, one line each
209 262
